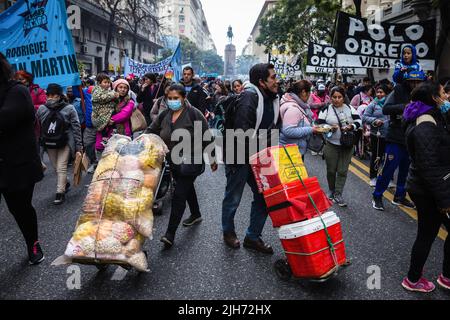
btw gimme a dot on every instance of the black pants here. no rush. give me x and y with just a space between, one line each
377 147
184 192
19 204
429 222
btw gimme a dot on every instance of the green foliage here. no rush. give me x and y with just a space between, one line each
202 61
244 63
292 24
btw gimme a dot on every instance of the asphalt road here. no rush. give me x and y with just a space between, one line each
200 266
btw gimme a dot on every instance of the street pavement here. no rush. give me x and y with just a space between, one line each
200 266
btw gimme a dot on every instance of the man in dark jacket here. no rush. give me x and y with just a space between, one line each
257 113
20 165
196 96
396 153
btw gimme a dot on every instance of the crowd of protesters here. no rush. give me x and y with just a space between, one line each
403 124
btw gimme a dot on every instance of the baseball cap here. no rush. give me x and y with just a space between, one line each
321 87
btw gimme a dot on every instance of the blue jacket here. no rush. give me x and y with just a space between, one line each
413 66
374 111
88 104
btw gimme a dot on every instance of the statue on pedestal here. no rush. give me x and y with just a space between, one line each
230 34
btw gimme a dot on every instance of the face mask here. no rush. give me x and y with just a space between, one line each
52 101
174 105
445 107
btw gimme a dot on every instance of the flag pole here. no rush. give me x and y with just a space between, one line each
167 69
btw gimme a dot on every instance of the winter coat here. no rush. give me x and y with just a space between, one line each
250 108
360 99
20 165
87 95
317 103
103 105
296 123
122 117
197 97
188 120
159 106
373 112
38 96
399 75
393 107
75 141
147 98
428 143
328 116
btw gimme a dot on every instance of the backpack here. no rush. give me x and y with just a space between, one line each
224 114
54 130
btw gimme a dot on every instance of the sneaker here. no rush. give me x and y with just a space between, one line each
59 199
444 282
168 240
258 245
191 221
423 285
377 204
91 169
35 254
403 202
331 196
339 200
392 185
314 153
373 182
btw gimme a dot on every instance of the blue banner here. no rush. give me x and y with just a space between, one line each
34 37
170 65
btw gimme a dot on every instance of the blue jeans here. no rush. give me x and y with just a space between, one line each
237 177
396 157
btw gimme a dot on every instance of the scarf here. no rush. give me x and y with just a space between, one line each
304 106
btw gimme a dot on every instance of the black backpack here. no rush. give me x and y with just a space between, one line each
54 130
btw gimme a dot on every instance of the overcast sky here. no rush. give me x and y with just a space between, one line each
240 14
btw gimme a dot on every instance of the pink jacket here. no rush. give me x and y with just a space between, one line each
123 117
38 96
314 101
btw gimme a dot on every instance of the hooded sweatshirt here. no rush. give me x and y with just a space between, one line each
428 143
399 76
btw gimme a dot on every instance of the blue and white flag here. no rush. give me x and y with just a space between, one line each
171 64
34 37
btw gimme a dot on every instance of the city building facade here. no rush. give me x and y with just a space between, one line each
186 18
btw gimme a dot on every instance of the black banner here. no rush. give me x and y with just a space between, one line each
360 43
322 59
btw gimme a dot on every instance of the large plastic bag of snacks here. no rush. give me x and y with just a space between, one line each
116 216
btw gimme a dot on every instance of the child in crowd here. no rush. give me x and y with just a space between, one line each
407 63
104 101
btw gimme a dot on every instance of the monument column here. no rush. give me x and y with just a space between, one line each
230 56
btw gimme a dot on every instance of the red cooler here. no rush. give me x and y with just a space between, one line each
289 203
306 247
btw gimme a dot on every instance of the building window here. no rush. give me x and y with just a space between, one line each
181 19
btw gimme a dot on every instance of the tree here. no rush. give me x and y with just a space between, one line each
201 61
212 62
244 63
112 10
292 24
139 15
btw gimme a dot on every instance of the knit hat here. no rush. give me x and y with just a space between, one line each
54 89
120 81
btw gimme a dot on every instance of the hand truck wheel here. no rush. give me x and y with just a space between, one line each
283 270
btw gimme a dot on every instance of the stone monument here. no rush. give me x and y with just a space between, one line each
230 56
